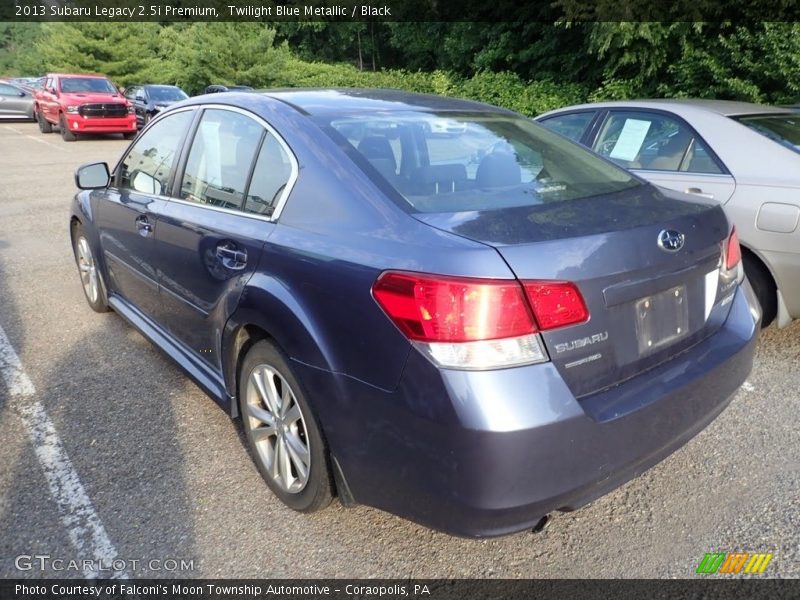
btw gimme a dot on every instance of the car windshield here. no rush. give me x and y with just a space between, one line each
452 162
87 84
166 94
784 129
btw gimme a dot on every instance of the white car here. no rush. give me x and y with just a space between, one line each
745 156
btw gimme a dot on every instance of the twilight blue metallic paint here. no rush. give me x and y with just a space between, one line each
475 453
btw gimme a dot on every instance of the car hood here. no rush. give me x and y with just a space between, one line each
93 98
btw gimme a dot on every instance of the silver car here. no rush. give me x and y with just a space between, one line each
15 102
745 156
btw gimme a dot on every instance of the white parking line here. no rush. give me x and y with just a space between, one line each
84 528
34 138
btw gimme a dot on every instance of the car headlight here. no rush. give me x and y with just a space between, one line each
72 109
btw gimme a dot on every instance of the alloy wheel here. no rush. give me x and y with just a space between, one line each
88 270
278 428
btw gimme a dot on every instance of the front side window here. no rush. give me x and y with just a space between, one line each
653 141
220 159
149 164
450 162
784 129
572 125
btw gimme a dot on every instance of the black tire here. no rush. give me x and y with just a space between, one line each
129 135
763 286
44 125
264 360
98 300
147 118
66 134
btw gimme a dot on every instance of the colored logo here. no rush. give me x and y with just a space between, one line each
670 240
733 562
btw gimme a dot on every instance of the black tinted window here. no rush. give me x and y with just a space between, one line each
148 166
220 159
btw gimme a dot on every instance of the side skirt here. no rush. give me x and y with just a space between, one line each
206 378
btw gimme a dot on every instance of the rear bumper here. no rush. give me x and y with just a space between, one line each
489 453
785 267
78 124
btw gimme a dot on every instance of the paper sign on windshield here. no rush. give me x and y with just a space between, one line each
630 140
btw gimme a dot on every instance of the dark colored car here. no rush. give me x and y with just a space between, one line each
217 88
148 100
16 102
469 331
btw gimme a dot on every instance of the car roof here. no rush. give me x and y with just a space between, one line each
349 100
726 108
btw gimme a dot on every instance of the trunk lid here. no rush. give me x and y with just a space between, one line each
646 304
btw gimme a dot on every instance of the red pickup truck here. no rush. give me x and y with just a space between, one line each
83 104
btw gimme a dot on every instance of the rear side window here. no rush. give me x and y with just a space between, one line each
452 162
149 164
7 90
653 141
220 159
572 125
270 177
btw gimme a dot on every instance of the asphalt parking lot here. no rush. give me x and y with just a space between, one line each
108 450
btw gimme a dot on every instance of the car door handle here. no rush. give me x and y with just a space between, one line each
698 192
231 258
143 226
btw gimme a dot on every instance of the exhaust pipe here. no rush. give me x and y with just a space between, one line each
542 524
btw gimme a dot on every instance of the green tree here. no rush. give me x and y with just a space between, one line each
226 53
125 52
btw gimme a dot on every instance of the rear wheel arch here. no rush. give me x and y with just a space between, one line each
763 282
242 340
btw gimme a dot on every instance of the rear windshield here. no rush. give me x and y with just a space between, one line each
71 85
452 162
784 129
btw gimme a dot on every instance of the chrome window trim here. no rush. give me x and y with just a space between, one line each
295 169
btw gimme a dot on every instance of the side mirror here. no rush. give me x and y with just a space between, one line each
52 90
140 99
93 176
21 94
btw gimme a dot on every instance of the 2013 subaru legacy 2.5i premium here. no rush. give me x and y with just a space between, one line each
468 330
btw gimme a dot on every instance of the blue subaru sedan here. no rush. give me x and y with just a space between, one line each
430 306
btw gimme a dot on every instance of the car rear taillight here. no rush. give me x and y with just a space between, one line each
731 267
556 303
469 323
733 252
447 309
